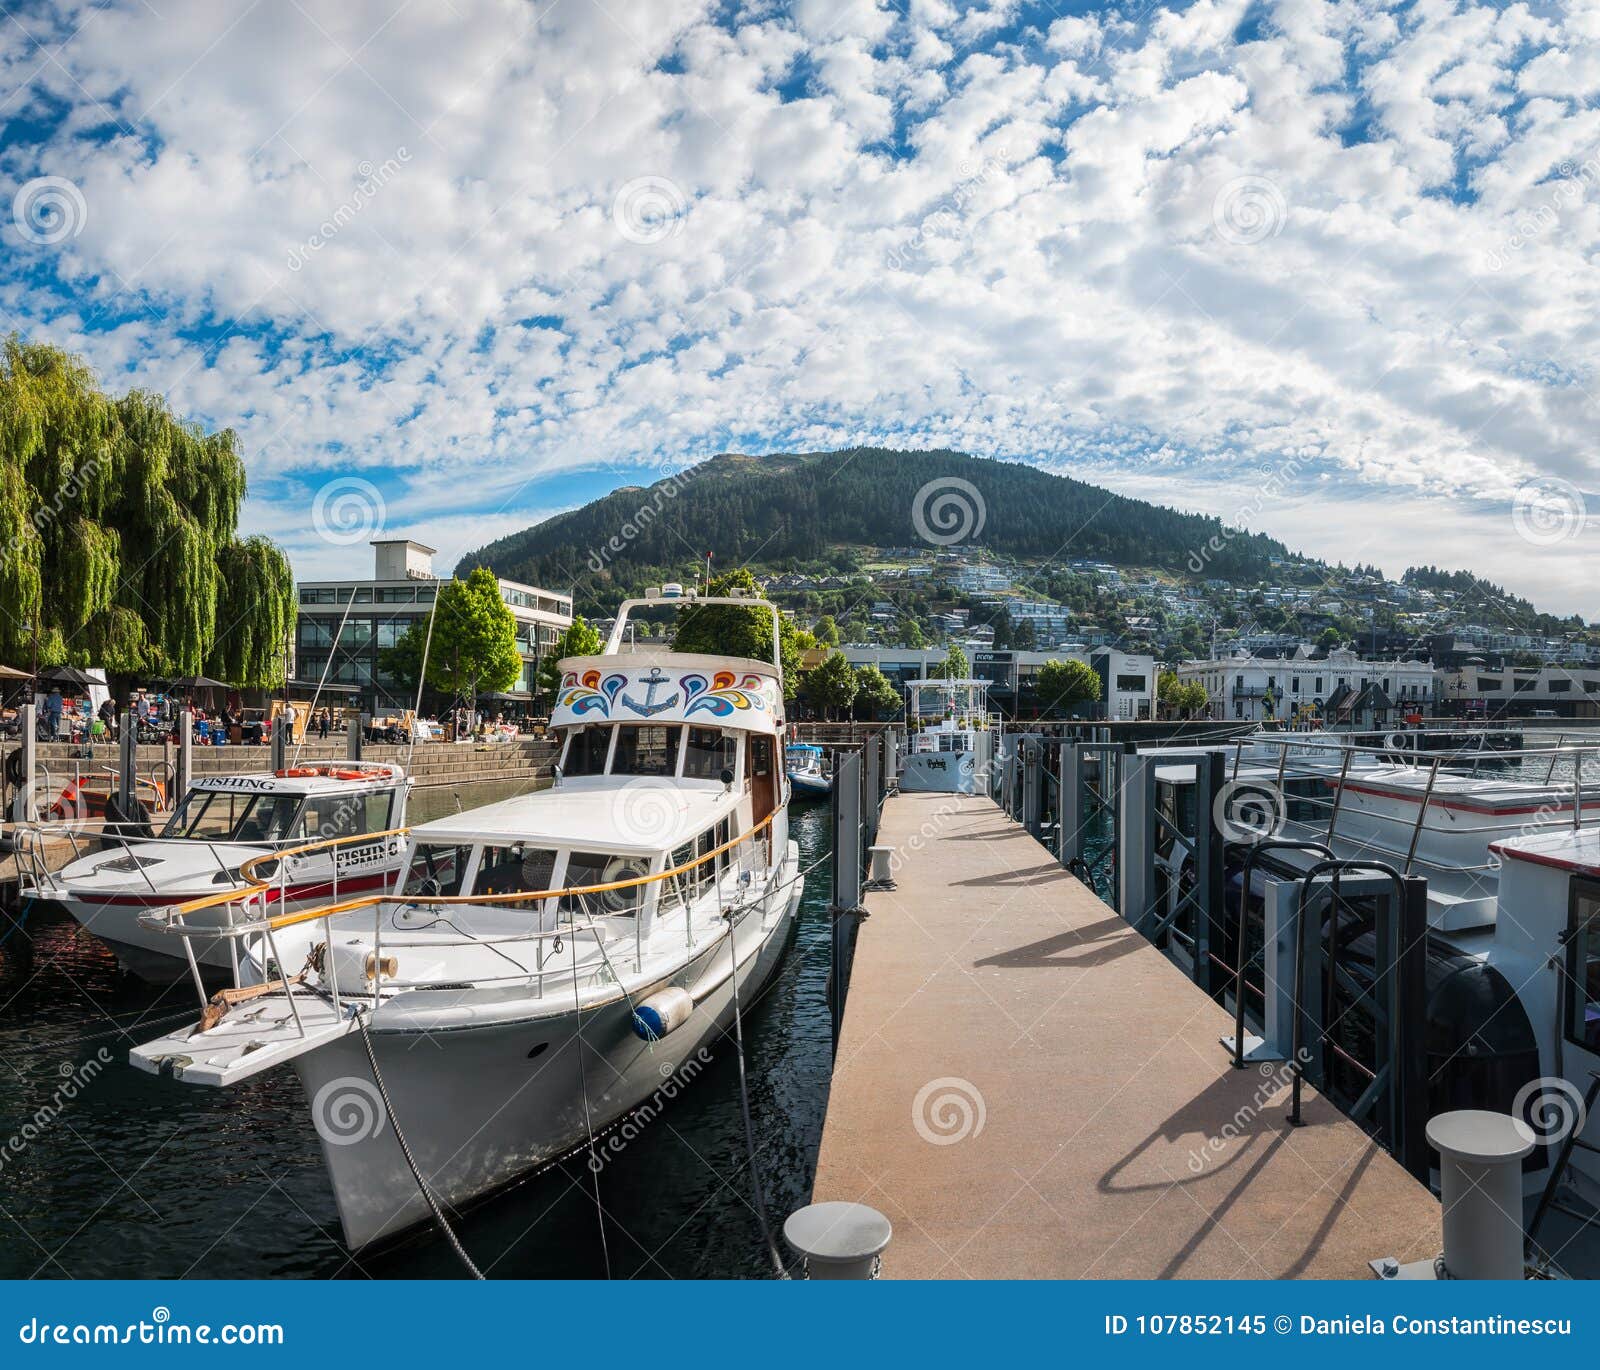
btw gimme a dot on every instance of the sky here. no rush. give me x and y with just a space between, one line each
1324 269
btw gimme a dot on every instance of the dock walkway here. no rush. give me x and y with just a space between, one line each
1029 1089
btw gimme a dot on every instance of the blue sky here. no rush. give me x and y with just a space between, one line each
448 269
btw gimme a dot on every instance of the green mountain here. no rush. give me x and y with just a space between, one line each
788 511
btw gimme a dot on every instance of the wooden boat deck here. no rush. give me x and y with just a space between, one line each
1028 1089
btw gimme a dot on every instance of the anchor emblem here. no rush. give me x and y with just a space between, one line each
648 706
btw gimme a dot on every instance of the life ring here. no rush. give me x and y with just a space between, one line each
350 775
1395 742
296 772
16 767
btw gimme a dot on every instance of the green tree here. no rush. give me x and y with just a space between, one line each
729 630
474 646
1063 685
578 639
826 631
955 666
831 687
118 522
913 635
876 694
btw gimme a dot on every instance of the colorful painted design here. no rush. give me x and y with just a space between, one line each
591 695
721 696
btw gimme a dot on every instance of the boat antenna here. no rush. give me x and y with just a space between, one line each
422 679
326 667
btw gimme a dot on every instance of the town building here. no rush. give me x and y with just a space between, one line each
400 592
1478 690
1127 679
1303 686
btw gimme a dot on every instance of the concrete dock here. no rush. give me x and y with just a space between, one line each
1029 1089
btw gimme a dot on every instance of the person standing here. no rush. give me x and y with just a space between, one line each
325 725
52 711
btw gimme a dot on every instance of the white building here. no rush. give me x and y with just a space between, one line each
975 577
1128 679
1520 692
401 592
1259 688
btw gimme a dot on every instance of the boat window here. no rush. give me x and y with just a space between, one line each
647 750
1583 967
328 816
515 869
436 869
380 805
586 751
711 751
227 816
602 868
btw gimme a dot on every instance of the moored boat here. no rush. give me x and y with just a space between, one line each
547 960
222 823
806 767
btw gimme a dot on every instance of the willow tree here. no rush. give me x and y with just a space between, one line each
118 541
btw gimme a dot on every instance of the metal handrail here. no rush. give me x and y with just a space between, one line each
1336 867
1269 844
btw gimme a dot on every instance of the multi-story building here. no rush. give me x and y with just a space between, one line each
401 592
1258 688
1127 679
976 577
1477 689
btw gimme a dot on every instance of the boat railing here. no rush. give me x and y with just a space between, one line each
1567 810
249 916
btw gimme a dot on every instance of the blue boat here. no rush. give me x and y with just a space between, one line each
808 771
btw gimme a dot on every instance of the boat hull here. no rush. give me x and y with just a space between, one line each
810 786
941 773
481 1106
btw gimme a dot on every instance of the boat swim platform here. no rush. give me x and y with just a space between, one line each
1028 1089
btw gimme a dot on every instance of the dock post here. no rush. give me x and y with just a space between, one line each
28 742
1033 783
1136 836
1209 904
1408 1024
355 732
845 911
1069 807
280 741
128 760
872 782
185 765
891 758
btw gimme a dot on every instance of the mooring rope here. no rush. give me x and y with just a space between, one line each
588 1125
405 1150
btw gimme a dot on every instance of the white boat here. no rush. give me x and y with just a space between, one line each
805 764
221 823
549 961
950 739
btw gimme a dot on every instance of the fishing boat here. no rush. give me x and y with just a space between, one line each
806 766
951 736
546 961
121 870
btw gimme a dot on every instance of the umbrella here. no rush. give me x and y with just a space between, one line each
190 683
67 675
11 673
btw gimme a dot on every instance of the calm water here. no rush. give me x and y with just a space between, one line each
140 1176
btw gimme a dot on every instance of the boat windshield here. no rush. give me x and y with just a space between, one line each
230 816
586 752
437 868
711 752
647 750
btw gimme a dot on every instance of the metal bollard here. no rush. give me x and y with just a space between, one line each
839 1241
880 868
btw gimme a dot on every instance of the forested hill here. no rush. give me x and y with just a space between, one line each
777 510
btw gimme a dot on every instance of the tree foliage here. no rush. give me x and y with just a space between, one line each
1062 685
474 646
728 630
118 528
831 686
578 639
876 694
956 665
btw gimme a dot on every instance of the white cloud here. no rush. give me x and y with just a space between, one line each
924 222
